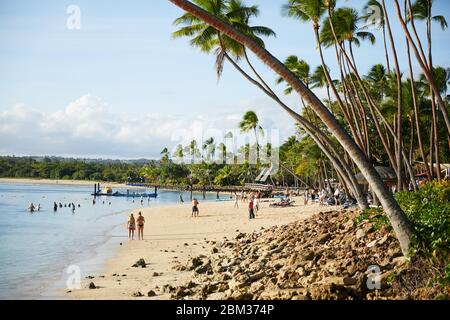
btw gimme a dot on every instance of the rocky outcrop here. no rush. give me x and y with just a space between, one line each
328 256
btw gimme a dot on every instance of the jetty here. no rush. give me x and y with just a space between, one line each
108 192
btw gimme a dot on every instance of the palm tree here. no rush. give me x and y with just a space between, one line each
380 23
179 153
399 101
421 58
319 80
300 68
208 39
421 10
393 211
210 148
223 152
250 122
165 155
378 81
324 143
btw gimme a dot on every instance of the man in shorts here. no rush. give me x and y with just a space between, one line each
195 210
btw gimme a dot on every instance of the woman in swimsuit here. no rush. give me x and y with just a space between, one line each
140 226
131 227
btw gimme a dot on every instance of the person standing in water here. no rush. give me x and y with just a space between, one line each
140 226
195 210
55 206
131 226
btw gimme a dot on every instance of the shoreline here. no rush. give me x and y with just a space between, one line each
57 182
172 236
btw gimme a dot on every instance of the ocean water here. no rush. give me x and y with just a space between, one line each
39 251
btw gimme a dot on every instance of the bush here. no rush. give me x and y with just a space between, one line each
429 212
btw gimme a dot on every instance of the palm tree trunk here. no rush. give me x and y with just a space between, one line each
416 109
316 135
386 49
396 216
423 64
399 102
433 101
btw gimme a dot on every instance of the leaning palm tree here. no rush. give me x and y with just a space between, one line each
250 122
393 211
319 137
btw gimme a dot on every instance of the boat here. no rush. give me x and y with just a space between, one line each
108 192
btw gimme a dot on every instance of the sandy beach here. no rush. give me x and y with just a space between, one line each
172 235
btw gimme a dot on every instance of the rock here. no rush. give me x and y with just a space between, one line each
234 284
92 286
194 263
360 233
156 274
240 236
214 250
167 288
139 263
372 244
399 261
137 294
324 238
151 293
308 256
349 281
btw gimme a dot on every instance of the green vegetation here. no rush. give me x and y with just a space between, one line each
429 211
68 169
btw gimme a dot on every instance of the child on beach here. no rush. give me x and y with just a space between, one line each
236 201
195 210
131 226
140 226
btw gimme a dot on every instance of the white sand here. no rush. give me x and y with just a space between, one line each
167 231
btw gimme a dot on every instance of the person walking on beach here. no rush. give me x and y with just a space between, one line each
306 195
337 192
195 210
251 213
236 201
257 201
140 226
131 226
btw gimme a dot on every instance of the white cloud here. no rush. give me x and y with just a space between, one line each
90 127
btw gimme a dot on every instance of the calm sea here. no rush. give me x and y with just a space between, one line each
37 248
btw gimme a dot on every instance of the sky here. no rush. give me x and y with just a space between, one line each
121 87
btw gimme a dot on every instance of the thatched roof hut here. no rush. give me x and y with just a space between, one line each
387 175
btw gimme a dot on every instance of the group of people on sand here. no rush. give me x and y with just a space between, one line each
325 196
253 204
136 222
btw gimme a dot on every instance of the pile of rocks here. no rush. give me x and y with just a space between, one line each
328 256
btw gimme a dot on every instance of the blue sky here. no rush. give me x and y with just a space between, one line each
121 86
